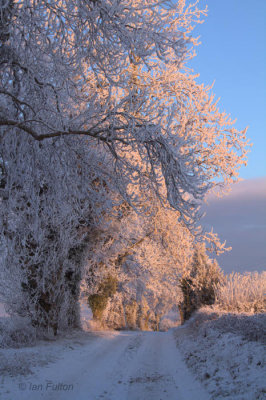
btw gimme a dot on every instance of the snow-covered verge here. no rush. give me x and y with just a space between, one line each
226 352
23 361
16 332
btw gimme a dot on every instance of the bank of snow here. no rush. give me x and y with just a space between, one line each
226 352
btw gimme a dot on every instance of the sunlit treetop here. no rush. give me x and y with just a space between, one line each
115 72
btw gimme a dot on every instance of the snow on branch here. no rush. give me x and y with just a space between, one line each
114 71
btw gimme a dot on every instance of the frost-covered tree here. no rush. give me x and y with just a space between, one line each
115 71
147 254
89 88
47 211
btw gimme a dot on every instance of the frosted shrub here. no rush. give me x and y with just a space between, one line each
199 282
16 332
168 323
242 292
98 301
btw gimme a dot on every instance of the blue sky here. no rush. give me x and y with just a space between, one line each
233 54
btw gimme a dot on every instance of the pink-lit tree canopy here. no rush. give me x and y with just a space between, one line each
97 108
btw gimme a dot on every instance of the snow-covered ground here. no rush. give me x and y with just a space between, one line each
99 366
226 352
214 356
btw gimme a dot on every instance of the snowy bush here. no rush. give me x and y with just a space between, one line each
199 282
242 292
16 332
168 323
98 301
